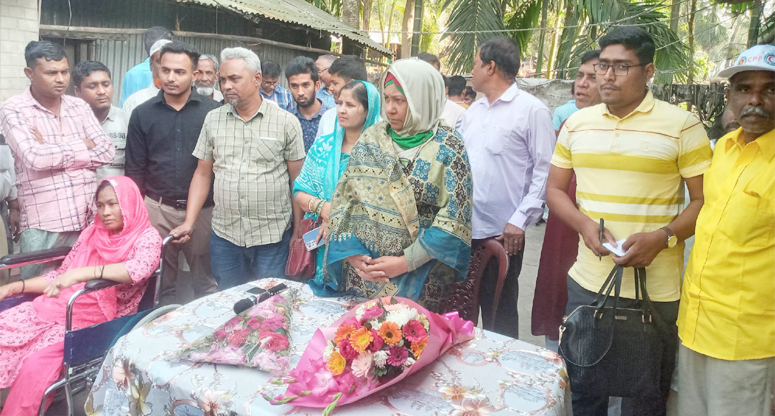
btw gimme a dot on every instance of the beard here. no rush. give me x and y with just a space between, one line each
308 102
207 91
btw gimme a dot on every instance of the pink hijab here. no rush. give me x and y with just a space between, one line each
99 246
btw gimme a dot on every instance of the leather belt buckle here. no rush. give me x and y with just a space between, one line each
181 204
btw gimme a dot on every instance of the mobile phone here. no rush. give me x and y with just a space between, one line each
310 237
256 291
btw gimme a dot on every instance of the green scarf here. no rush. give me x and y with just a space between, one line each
409 142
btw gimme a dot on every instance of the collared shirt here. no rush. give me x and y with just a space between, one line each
309 127
453 114
250 161
115 126
281 96
509 145
326 97
137 78
140 97
562 113
160 140
728 296
56 179
629 172
217 96
327 123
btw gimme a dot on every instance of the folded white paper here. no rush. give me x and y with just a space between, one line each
618 250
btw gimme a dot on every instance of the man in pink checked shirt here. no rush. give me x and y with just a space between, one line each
57 144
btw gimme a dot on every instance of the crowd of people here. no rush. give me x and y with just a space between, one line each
403 177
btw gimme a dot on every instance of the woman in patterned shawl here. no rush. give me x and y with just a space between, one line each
400 219
357 110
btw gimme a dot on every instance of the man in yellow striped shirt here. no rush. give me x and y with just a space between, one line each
631 156
726 361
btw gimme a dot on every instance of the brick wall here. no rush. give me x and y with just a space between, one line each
18 26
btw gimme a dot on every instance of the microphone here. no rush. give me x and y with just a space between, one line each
244 304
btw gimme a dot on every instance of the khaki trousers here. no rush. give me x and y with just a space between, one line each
196 251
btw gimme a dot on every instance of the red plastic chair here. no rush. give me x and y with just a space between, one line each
465 295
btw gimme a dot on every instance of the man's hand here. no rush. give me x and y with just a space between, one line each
513 239
590 232
36 133
642 249
182 233
89 143
389 266
361 263
14 217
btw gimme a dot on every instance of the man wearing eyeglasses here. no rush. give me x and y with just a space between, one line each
271 90
325 93
631 155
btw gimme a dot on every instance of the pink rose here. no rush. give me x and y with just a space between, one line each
254 323
274 323
238 337
220 335
414 331
273 341
347 351
362 365
376 345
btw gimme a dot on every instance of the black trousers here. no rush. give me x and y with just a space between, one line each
507 316
586 405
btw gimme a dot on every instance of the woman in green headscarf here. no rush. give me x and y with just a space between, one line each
401 213
357 110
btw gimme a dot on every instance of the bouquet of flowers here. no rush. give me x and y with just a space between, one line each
257 337
369 348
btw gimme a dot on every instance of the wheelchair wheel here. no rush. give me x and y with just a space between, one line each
162 310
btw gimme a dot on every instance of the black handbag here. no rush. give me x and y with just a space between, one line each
614 351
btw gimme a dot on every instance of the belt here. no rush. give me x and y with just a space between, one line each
179 204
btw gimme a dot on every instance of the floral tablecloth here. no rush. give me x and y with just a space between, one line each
490 374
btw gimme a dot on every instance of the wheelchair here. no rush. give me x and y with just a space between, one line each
85 348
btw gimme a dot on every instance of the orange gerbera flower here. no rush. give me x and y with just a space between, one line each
418 347
343 332
390 332
361 339
336 363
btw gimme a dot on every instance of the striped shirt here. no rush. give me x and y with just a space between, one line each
56 179
630 172
252 191
281 96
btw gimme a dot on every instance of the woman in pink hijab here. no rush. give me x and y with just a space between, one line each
120 245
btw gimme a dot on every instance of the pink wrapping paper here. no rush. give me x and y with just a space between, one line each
446 331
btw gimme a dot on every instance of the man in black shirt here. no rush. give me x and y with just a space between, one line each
162 134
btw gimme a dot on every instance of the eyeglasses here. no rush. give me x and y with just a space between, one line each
619 69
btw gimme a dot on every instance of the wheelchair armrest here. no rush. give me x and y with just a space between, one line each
98 284
41 256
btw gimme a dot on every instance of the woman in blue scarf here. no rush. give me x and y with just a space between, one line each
358 108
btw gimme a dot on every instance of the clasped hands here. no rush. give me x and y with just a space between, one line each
641 248
381 269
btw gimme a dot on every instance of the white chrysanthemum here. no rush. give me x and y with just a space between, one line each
380 358
359 313
328 351
375 324
408 363
401 316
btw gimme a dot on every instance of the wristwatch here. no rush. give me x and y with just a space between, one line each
672 240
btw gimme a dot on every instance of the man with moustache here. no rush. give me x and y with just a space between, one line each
323 63
341 72
583 90
57 145
162 135
92 83
304 84
205 77
726 322
631 156
257 151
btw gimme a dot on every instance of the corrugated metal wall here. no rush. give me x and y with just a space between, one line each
120 56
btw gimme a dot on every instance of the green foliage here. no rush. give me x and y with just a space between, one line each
526 15
482 16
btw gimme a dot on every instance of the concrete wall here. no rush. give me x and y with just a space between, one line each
18 26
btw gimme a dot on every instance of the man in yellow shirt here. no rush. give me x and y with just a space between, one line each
631 156
726 361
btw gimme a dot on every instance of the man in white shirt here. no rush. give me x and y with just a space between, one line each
341 72
205 75
146 94
92 83
510 139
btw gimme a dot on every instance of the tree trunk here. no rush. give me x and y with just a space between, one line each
692 12
351 13
553 50
544 12
417 36
675 13
390 25
753 29
366 14
406 40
